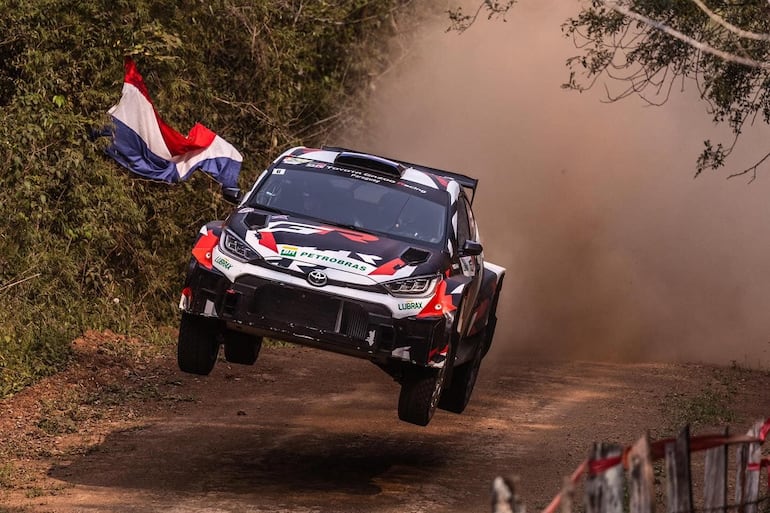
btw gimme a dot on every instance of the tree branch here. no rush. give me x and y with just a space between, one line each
658 25
461 22
729 26
751 169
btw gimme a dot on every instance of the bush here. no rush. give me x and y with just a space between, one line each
85 244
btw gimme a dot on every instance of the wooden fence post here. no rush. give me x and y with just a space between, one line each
746 481
715 481
604 486
504 496
678 483
604 491
641 481
566 496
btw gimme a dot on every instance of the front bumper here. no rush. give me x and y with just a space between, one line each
308 316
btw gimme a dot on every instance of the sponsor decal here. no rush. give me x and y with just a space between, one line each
412 187
223 262
279 171
344 262
362 175
317 165
468 266
410 305
369 259
289 251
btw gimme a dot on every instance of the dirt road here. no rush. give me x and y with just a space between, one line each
306 430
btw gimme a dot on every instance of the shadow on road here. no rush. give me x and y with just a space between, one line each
273 459
314 439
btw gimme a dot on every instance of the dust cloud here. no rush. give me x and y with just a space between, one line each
613 250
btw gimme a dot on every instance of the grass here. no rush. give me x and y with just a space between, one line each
710 406
7 473
274 342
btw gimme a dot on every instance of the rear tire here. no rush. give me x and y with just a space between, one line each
420 394
242 348
489 331
197 346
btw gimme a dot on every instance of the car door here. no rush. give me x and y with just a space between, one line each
470 265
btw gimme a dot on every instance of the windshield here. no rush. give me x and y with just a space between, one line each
355 200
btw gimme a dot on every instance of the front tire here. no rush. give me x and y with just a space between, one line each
242 348
197 346
457 395
420 394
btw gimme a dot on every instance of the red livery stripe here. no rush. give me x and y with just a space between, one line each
388 268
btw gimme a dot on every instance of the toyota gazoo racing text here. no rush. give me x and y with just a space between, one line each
352 253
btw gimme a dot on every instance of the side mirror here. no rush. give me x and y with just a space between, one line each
232 195
471 248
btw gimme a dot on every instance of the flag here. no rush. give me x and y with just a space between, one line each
146 145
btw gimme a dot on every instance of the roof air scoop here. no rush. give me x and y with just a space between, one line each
372 163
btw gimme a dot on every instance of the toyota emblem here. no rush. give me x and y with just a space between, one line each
317 278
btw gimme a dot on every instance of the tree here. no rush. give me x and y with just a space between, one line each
494 9
648 48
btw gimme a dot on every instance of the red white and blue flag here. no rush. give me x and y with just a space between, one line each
146 145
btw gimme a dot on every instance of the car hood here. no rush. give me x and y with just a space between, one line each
300 244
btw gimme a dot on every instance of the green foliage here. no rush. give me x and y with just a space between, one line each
85 244
711 406
7 472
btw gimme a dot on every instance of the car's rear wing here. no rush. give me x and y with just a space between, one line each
465 181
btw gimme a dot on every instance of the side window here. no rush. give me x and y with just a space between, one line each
463 225
473 228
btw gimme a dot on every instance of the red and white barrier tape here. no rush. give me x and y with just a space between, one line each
657 451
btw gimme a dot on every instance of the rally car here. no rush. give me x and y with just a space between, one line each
352 253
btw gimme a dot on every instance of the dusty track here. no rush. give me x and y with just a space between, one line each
306 430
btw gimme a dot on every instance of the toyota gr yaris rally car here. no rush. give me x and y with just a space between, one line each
352 253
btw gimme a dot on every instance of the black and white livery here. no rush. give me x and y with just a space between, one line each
352 253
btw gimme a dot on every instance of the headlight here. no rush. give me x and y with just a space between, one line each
237 247
422 286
